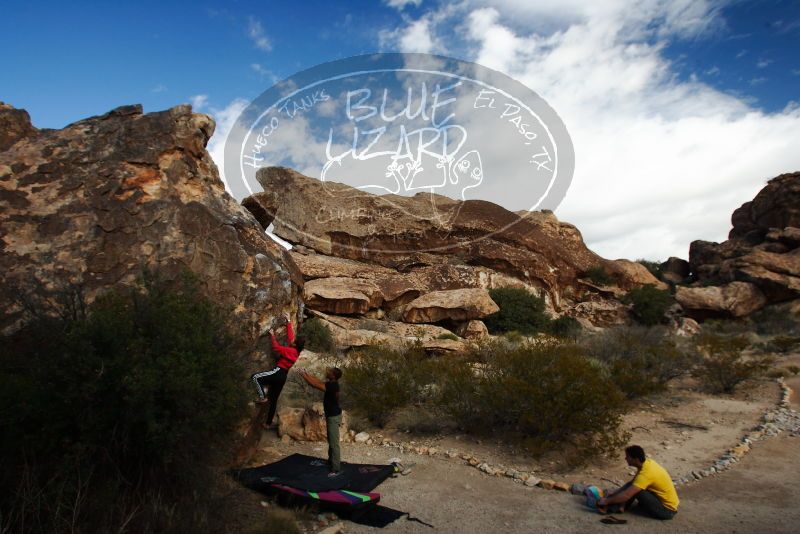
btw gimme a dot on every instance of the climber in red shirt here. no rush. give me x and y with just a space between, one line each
273 380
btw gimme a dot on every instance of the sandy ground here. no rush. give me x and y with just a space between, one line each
758 494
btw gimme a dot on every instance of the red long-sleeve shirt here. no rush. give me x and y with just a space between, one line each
286 355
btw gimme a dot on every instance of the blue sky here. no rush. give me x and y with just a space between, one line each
679 110
65 61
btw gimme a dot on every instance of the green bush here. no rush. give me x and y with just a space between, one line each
520 311
565 327
773 321
379 380
640 360
317 335
599 276
449 336
108 413
723 366
549 394
649 304
783 344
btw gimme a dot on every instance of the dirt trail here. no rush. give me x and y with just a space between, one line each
758 495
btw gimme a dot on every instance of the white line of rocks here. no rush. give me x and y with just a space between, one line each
779 419
775 420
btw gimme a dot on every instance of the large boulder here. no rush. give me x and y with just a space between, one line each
342 295
400 232
451 305
675 270
777 205
630 274
762 248
736 299
15 124
94 203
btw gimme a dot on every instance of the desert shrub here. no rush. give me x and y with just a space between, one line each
379 380
565 327
723 366
550 394
793 369
773 321
729 327
640 360
778 372
450 336
110 411
649 304
598 275
520 311
317 335
783 344
653 266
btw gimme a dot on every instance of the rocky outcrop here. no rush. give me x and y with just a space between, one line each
763 248
15 124
776 206
401 233
452 305
473 329
675 270
342 295
94 203
307 424
736 299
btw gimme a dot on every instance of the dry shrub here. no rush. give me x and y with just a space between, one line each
640 360
724 366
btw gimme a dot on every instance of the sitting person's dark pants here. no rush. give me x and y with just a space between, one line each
649 503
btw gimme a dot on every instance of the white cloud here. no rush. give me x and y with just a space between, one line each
263 72
159 88
256 32
660 161
401 4
762 63
225 119
198 101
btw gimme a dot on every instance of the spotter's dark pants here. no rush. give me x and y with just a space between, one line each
649 503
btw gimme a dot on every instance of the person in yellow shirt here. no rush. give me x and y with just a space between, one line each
651 488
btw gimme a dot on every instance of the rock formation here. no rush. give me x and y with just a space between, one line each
385 256
95 202
762 253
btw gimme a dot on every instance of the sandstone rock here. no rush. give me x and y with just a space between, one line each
93 203
777 205
350 332
15 124
601 313
473 329
630 274
686 327
444 346
561 486
736 299
532 481
789 237
454 305
403 233
762 246
675 270
290 423
547 484
361 437
342 295
306 424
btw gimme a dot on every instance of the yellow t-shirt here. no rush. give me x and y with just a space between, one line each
655 479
